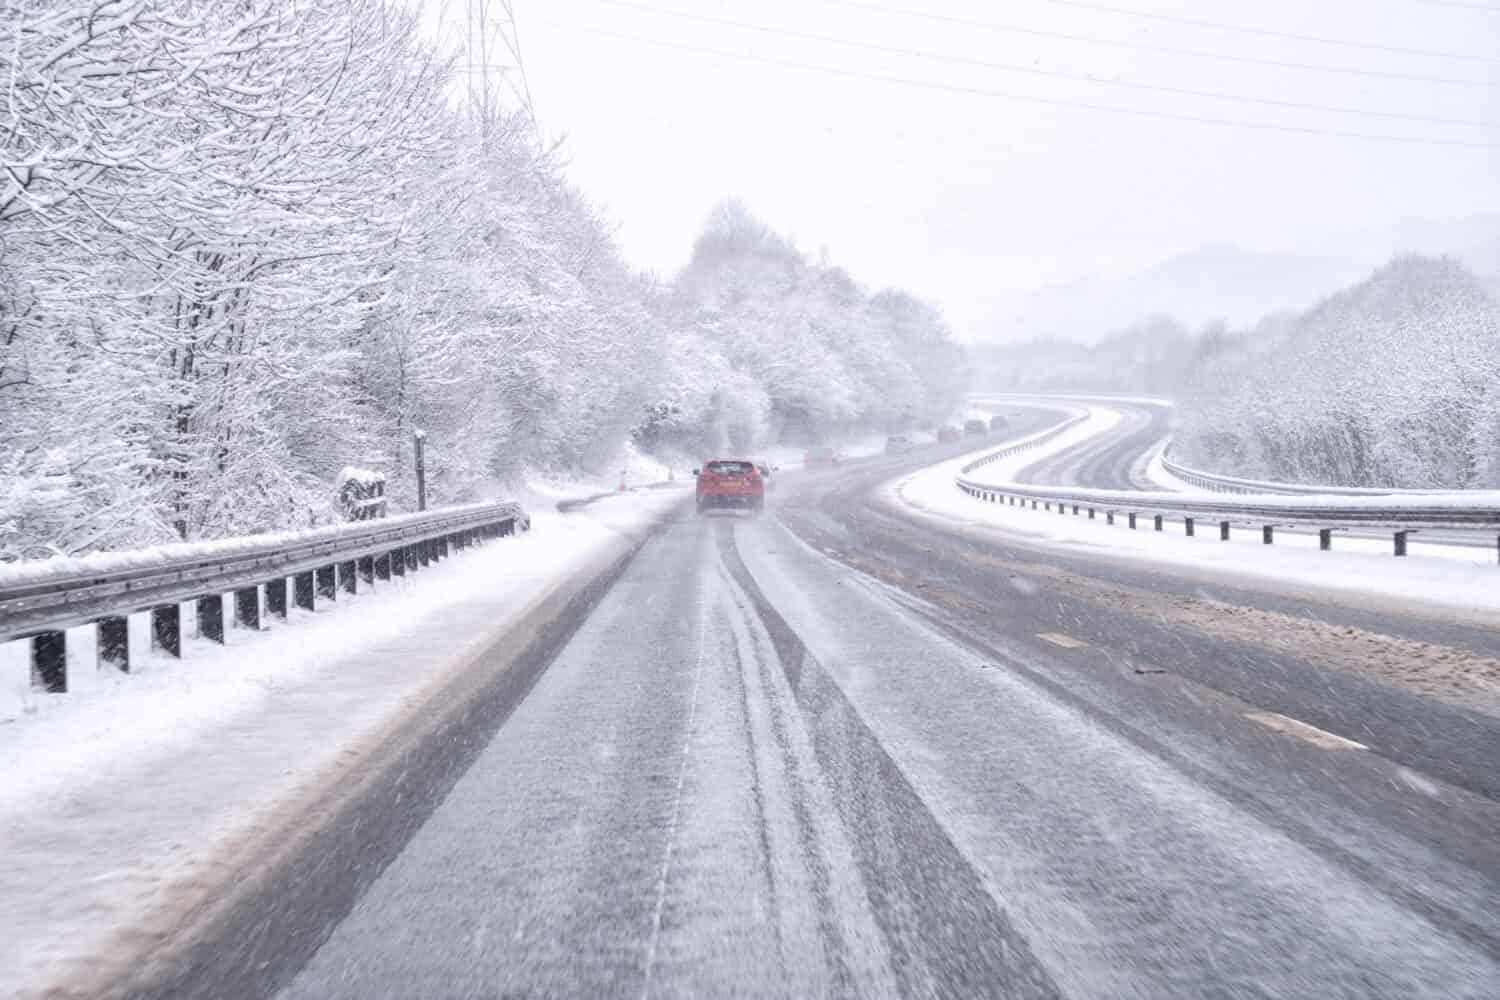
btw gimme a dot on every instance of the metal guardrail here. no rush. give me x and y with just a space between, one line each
1213 482
1027 443
1402 513
40 602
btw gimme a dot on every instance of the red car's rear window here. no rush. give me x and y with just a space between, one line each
730 468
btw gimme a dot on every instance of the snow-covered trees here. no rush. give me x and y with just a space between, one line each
798 349
245 245
200 203
1395 382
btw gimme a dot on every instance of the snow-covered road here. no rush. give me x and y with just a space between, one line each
840 749
1120 435
120 800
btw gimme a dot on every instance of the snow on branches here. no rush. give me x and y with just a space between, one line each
1392 383
243 246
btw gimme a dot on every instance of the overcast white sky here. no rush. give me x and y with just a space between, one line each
973 199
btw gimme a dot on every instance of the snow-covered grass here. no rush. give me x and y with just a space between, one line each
631 467
117 794
1447 575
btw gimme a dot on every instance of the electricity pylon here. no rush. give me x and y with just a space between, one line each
492 61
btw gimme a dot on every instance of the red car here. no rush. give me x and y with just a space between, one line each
949 434
730 484
820 455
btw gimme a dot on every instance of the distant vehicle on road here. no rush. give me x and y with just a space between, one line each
898 444
975 428
998 423
730 484
820 456
765 469
948 434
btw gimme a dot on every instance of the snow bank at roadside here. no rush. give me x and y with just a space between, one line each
1001 474
122 789
1446 575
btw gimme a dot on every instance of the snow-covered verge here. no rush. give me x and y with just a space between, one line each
1000 474
1434 574
635 470
631 469
120 793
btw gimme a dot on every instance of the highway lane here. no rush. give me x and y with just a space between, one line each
1116 460
1113 460
834 751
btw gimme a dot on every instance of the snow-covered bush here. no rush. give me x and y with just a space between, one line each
1394 382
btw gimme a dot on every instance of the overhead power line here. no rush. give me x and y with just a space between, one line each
1490 8
1034 71
970 22
1019 98
1268 32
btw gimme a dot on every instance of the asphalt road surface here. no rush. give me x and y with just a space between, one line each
835 751
1113 460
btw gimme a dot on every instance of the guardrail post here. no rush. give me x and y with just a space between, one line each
1062 508
166 629
211 618
276 598
1091 513
348 581
367 570
1109 517
113 642
442 546
1033 505
303 591
1223 531
1400 543
1048 506
1187 526
1131 516
328 584
1266 534
49 662
1325 539
412 557
424 552
1075 510
383 565
1158 522
247 608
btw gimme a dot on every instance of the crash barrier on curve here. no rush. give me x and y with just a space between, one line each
1402 513
1213 482
40 600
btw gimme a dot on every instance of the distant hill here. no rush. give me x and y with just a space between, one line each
1228 284
1151 357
